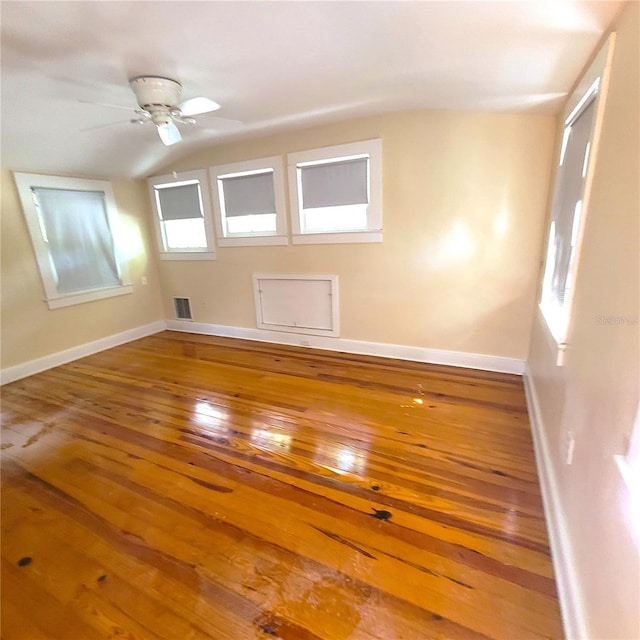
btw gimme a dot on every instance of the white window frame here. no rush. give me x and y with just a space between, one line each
593 86
259 165
629 463
373 232
25 182
629 467
176 179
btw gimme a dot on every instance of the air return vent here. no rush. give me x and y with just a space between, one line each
297 304
183 308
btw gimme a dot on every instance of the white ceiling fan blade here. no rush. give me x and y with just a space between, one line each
103 126
106 104
196 106
169 133
221 124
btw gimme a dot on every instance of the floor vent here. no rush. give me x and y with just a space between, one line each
183 308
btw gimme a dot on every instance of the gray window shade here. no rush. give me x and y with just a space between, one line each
79 239
335 183
180 203
248 195
568 193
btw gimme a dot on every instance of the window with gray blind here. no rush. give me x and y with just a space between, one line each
567 207
250 194
335 183
77 237
182 216
180 202
249 202
567 213
336 193
180 210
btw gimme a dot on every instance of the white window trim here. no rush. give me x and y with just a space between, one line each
208 253
374 214
629 467
55 300
599 70
629 462
279 237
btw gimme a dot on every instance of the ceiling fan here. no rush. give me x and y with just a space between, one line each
159 103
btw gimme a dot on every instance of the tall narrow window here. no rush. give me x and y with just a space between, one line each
249 202
571 195
74 228
566 218
336 193
182 216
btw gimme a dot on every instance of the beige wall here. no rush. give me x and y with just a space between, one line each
595 395
30 329
464 199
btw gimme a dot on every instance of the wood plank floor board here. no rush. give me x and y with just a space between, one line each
186 486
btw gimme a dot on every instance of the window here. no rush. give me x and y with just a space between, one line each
630 463
182 216
571 196
629 467
249 203
74 229
336 193
566 218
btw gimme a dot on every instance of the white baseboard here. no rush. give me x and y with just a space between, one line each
11 374
573 614
402 352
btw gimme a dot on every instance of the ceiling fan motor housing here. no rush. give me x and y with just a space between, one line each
157 95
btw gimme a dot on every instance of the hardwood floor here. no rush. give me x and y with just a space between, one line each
186 486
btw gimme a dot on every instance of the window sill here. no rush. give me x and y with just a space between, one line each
342 237
630 497
558 345
188 255
630 478
89 296
252 241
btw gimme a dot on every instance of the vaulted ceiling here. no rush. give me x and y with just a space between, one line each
272 65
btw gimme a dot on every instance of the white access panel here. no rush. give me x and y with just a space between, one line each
297 304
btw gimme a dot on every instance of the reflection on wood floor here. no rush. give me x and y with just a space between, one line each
186 486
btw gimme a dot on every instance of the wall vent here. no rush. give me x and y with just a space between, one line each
183 308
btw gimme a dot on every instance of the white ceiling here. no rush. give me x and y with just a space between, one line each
273 65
